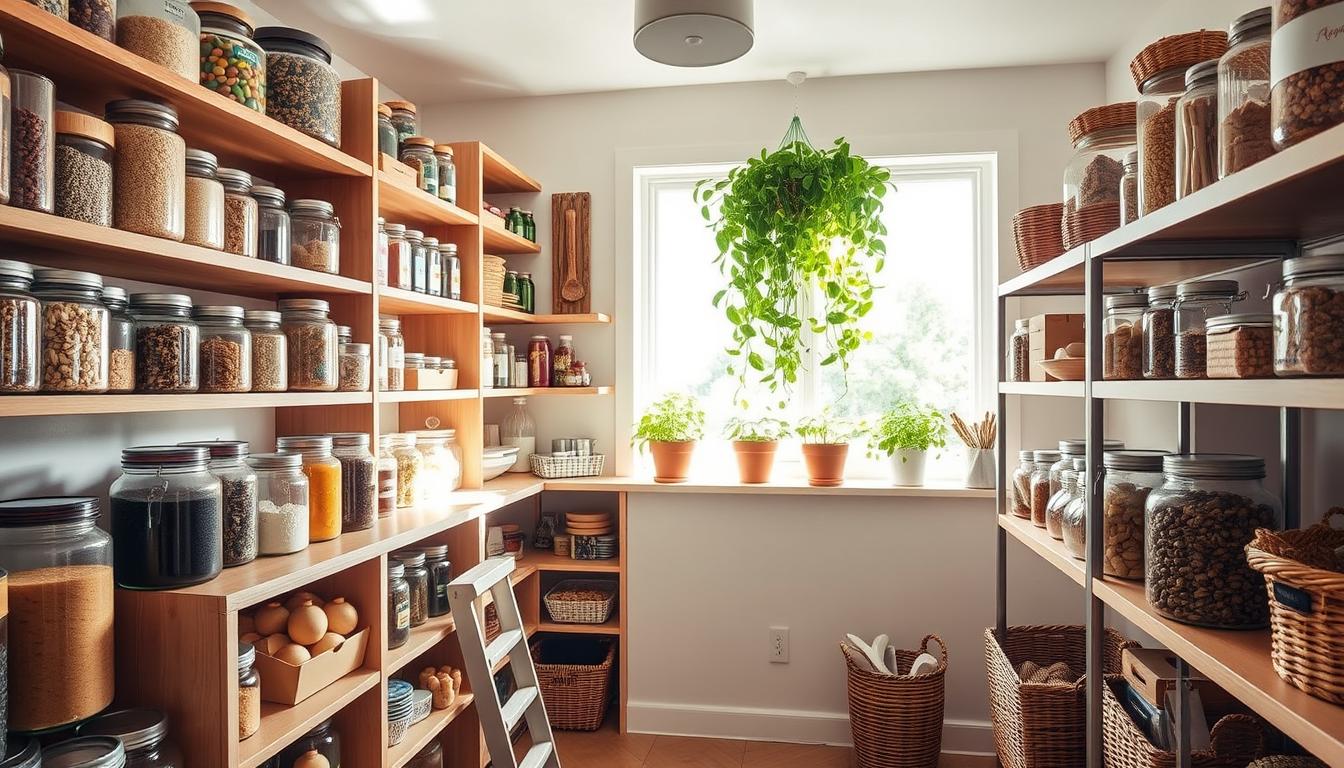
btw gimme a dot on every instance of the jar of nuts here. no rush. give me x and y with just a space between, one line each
269 354
1021 501
19 311
1196 302
1309 317
1240 346
1122 337
1158 327
1040 484
315 236
1130 476
1304 70
120 341
166 343
226 349
1196 528
74 331
311 344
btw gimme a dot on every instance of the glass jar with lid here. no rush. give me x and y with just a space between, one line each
323 740
143 734
387 133
269 357
323 471
1307 321
1129 188
1197 129
1304 70
74 331
1040 484
403 118
1074 448
500 344
415 245
418 153
447 187
380 250
387 477
238 487
452 271
1158 327
61 589
433 266
274 241
1122 337
315 236
399 257
19 313
226 349
1240 346
442 457
520 431
359 480
528 292
487 360
1073 523
167 34
429 757
1243 94
355 364
167 343
85 752
1101 137
1196 302
1196 528
398 605
311 343
303 89
150 186
563 358
58 8
1059 502
390 329
167 518
203 211
440 574
33 143
410 467
240 212
282 503
539 362
529 226
84 168
1021 496
249 692
232 64
417 578
1130 477
1019 344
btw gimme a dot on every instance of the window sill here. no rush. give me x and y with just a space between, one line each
858 487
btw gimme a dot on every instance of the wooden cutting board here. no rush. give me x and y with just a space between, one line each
571 253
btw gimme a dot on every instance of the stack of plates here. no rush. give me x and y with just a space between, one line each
597 548
493 270
399 702
1037 233
588 524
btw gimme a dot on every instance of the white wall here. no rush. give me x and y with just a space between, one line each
1175 17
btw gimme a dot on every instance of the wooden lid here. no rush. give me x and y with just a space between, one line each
80 124
1106 117
1177 51
420 141
223 9
444 149
402 105
385 110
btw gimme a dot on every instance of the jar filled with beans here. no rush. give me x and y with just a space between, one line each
1309 317
120 340
1304 71
315 236
273 231
240 212
167 343
303 89
269 355
1196 302
231 63
390 329
1040 484
74 331
150 183
204 210
19 313
1243 94
311 344
168 34
226 349
359 480
1158 328
1122 337
32 164
1130 476
1240 346
84 168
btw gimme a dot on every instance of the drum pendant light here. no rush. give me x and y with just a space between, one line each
693 33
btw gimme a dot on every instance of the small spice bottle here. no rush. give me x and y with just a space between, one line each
409 467
419 271
399 257
418 152
282 503
167 518
204 209
1197 129
249 692
19 312
343 334
387 133
311 344
32 162
143 734
387 478
324 482
1243 94
499 343
1158 326
359 481
390 329
398 605
240 212
487 375
273 232
440 574
563 358
354 365
166 343
150 183
447 172
417 577
315 236
226 349
238 485
539 362
527 292
269 355
84 168
529 226
74 331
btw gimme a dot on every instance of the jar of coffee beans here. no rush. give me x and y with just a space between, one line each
1158 327
269 356
150 184
273 243
204 210
226 349
1305 72
120 341
84 168
1021 501
303 89
1196 302
1130 476
74 331
240 212
311 344
166 343
32 164
19 312
1309 317
1122 337
315 236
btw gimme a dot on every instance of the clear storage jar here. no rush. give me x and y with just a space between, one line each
232 64
282 503
414 361
1304 70
380 251
203 212
1196 302
1309 317
33 147
150 182
1040 484
1122 337
98 17
1101 136
433 266
418 153
1240 346
22 752
1130 476
415 244
315 234
226 349
273 227
387 133
398 605
74 331
440 575
403 117
143 734
1197 129
1197 526
19 322
399 257
61 591
249 692
120 340
1021 501
359 480
269 356
452 271
417 578
447 186
323 471
6 131
311 344
1059 503
387 477
410 470
1243 94
166 33
167 518
167 343
323 740
84 168
303 89
354 364
240 212
1069 450
1129 188
238 487
1158 327
1019 351
442 457
1157 137
390 329
1073 523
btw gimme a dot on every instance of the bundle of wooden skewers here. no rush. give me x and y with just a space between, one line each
981 434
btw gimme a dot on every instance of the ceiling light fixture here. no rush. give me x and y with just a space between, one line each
693 33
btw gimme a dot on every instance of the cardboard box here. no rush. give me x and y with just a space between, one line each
417 378
1152 673
398 171
1047 334
283 683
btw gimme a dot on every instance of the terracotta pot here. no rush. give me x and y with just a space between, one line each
671 461
825 464
755 460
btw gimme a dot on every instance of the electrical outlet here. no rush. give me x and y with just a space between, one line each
779 645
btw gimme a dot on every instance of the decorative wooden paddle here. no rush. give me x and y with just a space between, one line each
571 282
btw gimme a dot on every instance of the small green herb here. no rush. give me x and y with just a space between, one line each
673 418
762 430
908 427
828 429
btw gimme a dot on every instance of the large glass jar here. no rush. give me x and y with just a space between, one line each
19 312
1021 501
359 480
390 329
1157 136
74 331
442 469
226 349
417 578
150 194
1196 302
1197 129
1158 327
1101 136
1240 346
415 246
324 740
387 133
1122 337
1196 530
387 477
404 121
282 503
167 34
1040 484
238 486
518 430
203 214
166 343
60 599
354 364
500 344
303 89
143 734
1059 502
399 257
273 231
380 251
315 236
398 605
433 266
32 164
447 186
311 344
1243 94
231 63
249 692
120 341
167 518
1304 70
83 168
1130 476
1309 317
1019 351
1069 450
1073 524
539 362
324 483
240 212
269 355
410 467
1129 188
440 575
418 153
6 132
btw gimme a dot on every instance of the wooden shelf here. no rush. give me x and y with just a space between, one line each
502 316
1320 393
1065 275
549 561
397 301
1042 388
535 391
425 731
500 176
611 626
1043 544
401 204
427 395
281 725
67 405
500 241
424 637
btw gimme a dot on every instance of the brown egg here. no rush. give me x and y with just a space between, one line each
293 654
246 624
328 641
299 598
312 759
342 618
271 618
250 637
307 624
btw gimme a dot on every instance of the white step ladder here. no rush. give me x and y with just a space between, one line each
498 720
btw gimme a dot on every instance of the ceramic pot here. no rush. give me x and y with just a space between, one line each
980 467
671 461
825 464
907 466
755 460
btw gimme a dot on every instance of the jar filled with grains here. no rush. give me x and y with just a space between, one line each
354 364
442 457
84 168
167 343
1122 337
1240 346
403 120
1197 129
96 16
380 250
231 63
150 183
143 734
1101 138
1022 484
1196 302
1158 327
1243 94
440 574
410 465
359 480
204 210
273 234
282 503
324 483
380 360
1019 349
1305 70
418 153
19 311
303 89
249 692
226 349
447 186
74 331
1129 188
417 578
398 605
120 341
387 133
399 257
387 477
238 484
390 329
433 266
167 518
1074 448
1130 476
240 212
269 358
311 344
167 34
32 162
415 243
315 236
1040 484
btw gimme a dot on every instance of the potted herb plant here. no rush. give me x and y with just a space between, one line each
755 442
826 441
670 428
904 435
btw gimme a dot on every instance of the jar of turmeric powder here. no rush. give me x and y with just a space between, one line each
324 483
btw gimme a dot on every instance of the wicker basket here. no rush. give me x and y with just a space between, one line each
1306 605
1234 741
493 270
1042 725
575 678
552 467
1037 234
1288 761
897 722
581 611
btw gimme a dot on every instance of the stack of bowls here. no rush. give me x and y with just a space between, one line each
399 706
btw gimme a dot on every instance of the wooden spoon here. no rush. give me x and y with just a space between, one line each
571 289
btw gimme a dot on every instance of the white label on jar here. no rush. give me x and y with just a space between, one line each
455 281
396 357
1311 40
175 9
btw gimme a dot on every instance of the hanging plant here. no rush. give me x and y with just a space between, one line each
793 225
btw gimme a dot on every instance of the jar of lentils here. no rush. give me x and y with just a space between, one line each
168 34
74 331
19 311
120 340
273 238
84 168
150 184
204 210
232 65
311 344
226 349
315 236
355 365
240 212
303 89
269 358
1196 302
167 343
1158 327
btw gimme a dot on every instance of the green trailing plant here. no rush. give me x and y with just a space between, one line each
673 418
799 235
766 429
908 426
827 429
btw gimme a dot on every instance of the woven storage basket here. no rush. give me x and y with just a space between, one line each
581 611
1288 761
1184 50
576 691
1104 118
897 722
1037 234
1234 740
552 467
1042 725
1306 605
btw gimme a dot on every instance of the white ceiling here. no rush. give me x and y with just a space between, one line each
433 51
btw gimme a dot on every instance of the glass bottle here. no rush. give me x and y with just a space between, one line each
84 168
380 360
390 329
513 220
530 226
387 477
562 359
1040 484
1158 327
433 266
270 358
410 466
1243 94
143 734
417 578
1196 302
1073 524
238 488
167 518
167 343
120 339
539 362
1130 477
518 430
1129 188
1074 448
19 328
311 344
359 480
315 236
500 353
1019 350
74 324
519 372
418 153
387 133
282 503
1021 500
452 271
510 283
399 257
32 164
1059 502
527 292
415 245
226 349
249 692
398 605
380 251
447 187
403 119
440 574
324 483
152 200
1197 129
274 240
203 211
487 360
1122 337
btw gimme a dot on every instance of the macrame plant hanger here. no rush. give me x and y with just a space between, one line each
795 134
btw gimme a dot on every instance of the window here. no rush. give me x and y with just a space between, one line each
929 322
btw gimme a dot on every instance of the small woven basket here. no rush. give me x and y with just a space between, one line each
1234 741
1104 118
897 722
1037 234
553 467
1183 50
575 679
581 611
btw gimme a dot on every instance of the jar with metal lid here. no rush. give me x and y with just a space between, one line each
414 361
399 257
150 188
433 266
324 482
311 337
1073 523
1129 188
19 313
429 363
529 226
539 362
390 329
415 243
249 691
1197 129
1304 70
1101 137
440 575
226 349
387 477
274 241
1019 344
22 752
1130 477
387 133
1196 302
511 283
1243 94
354 364
303 89
61 591
282 503
403 118
1059 502
167 34
513 219
359 480
238 487
167 518
167 343
1240 346
398 605
447 186
232 64
323 740
84 168
380 251
1122 337
417 578
203 211
429 757
240 212
1197 526
527 292
499 342
1309 317
418 153
452 271
32 164
74 331
85 752
143 734
1158 328
1021 495
442 460
410 467
1074 448
1040 484
269 356
315 236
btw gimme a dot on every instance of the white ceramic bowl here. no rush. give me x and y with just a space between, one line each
496 461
